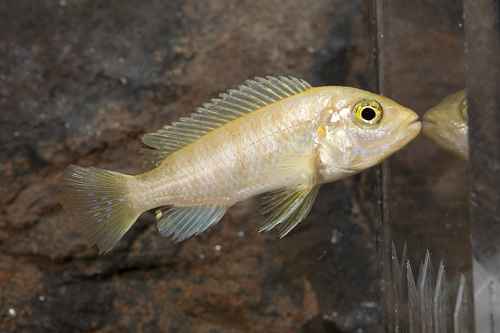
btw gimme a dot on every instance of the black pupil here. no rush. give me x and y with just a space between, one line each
368 114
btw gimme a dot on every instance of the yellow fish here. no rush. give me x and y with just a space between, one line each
446 124
272 135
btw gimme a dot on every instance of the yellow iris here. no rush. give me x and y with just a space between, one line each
368 111
463 108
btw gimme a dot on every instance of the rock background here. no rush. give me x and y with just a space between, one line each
82 80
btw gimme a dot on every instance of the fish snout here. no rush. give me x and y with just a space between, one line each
429 127
414 125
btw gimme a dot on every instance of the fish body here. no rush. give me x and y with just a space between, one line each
274 135
446 124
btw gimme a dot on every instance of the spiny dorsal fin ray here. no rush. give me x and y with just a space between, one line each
288 207
233 104
182 222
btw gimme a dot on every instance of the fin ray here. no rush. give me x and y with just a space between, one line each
297 166
288 207
182 222
231 105
100 203
300 212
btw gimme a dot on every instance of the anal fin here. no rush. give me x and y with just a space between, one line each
288 207
182 222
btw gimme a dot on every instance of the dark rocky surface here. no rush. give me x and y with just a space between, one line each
81 81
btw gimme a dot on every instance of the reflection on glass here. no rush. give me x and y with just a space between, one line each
425 190
482 36
446 125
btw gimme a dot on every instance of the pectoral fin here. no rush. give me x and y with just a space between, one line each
288 207
182 222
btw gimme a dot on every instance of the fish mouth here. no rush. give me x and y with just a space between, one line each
428 120
414 126
428 127
410 131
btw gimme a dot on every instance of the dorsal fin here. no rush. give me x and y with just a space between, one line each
233 104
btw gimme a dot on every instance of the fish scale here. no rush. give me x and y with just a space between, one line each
200 164
272 135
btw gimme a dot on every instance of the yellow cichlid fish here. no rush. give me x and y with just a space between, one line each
446 124
276 135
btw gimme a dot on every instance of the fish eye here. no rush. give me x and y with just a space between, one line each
463 109
367 112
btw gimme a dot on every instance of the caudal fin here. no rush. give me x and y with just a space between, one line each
99 200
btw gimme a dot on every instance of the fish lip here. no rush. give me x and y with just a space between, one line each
410 131
428 124
430 128
428 120
415 124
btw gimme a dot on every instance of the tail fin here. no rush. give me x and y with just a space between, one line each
100 202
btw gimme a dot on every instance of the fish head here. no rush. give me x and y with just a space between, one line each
362 129
446 124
